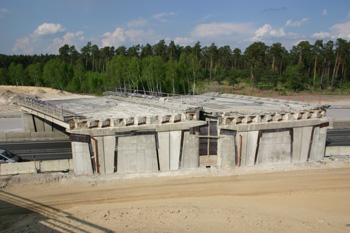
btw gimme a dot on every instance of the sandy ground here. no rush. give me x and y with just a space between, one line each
293 198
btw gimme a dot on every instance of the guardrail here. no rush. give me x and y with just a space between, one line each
45 107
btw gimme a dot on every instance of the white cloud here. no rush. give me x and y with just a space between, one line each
324 12
23 46
141 36
140 22
161 16
4 11
115 38
220 29
321 35
69 38
39 42
121 36
336 31
183 41
290 23
266 32
49 29
341 30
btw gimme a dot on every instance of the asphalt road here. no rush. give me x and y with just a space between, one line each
338 137
50 150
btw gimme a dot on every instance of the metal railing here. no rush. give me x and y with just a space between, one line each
45 107
294 96
189 99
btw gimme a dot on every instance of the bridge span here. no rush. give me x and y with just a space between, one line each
131 132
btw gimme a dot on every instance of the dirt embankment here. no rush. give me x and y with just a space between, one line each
9 96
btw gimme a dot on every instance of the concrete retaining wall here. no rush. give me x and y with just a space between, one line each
274 147
81 158
337 150
137 154
33 136
278 146
38 166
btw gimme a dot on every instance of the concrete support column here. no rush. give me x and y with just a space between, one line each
190 151
318 145
28 122
175 143
101 155
226 151
81 158
248 148
301 144
164 150
109 150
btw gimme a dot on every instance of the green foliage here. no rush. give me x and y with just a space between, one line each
294 78
181 69
35 72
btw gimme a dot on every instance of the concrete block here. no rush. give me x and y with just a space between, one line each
251 147
28 123
81 158
301 144
17 168
3 137
273 148
109 154
164 150
92 123
190 151
54 165
175 142
18 136
135 160
318 145
226 151
48 126
337 150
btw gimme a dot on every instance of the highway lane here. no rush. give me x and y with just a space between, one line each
52 150
39 150
338 137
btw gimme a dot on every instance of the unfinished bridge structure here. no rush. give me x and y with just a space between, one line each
129 132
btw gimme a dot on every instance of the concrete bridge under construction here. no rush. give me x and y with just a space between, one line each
127 132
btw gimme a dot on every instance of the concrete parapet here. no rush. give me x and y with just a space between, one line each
33 136
17 168
35 167
337 150
54 165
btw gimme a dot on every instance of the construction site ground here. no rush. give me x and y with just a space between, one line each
310 197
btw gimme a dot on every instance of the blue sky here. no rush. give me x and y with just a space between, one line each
43 26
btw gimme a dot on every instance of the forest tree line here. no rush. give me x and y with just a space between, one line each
180 69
